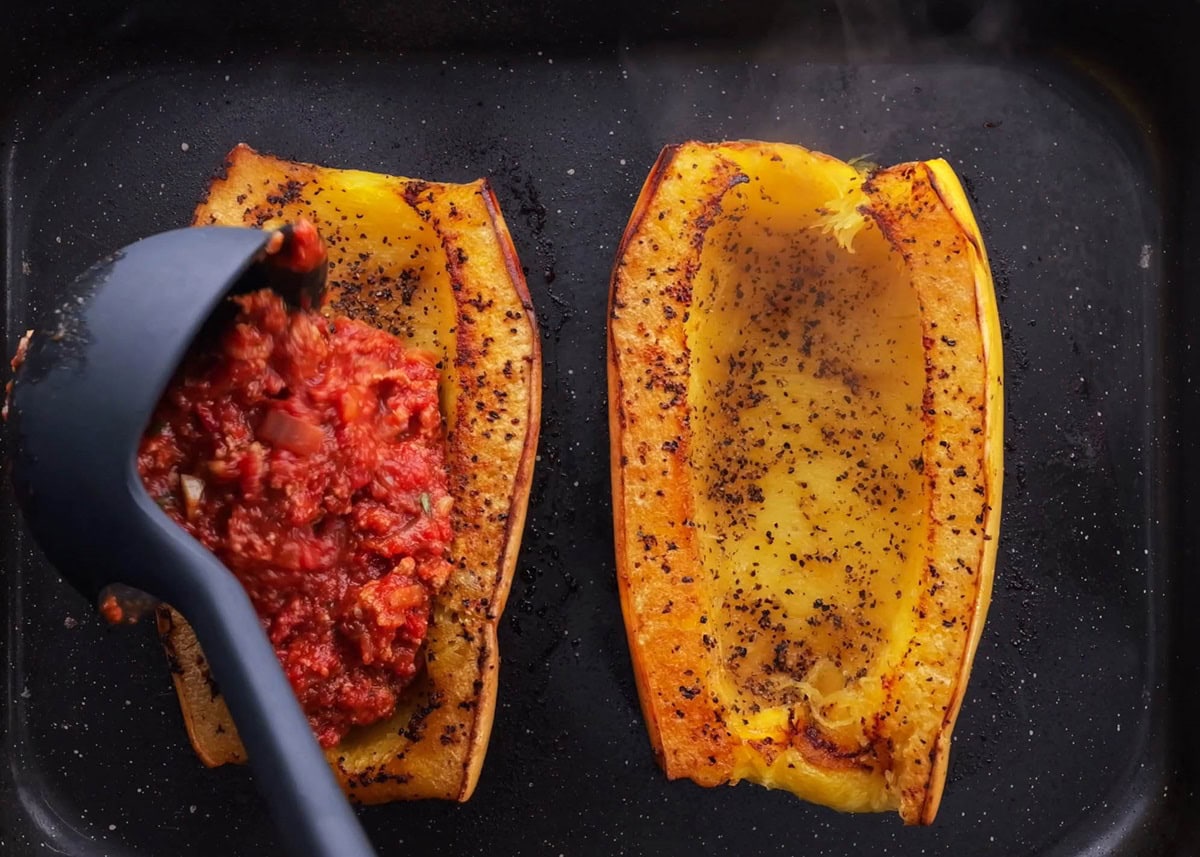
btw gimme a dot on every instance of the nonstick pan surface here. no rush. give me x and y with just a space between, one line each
1075 146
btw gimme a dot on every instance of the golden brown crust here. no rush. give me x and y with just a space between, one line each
647 356
433 263
958 284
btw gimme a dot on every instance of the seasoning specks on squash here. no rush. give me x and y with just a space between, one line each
800 371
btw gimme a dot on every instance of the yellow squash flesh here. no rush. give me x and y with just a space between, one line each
805 399
434 264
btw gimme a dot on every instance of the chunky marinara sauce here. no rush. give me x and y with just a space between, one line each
308 455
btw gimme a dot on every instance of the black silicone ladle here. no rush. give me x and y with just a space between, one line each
81 401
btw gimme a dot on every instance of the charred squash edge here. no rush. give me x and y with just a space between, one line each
518 506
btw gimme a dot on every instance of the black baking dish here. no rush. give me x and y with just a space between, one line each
1073 126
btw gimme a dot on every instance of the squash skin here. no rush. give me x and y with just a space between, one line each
433 263
703 724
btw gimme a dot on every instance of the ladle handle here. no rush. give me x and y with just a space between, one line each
313 816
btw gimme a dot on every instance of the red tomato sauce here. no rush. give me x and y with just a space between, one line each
308 455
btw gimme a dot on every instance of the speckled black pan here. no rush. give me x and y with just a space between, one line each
1074 127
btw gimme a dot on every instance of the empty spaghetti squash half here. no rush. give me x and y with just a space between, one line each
805 394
